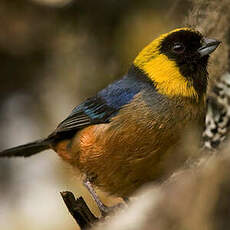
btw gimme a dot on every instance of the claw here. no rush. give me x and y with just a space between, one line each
105 210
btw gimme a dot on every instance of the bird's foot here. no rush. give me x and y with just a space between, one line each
105 210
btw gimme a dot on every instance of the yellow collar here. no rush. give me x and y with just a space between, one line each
163 71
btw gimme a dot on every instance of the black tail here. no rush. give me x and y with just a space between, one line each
27 150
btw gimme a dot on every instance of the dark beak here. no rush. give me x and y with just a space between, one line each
209 45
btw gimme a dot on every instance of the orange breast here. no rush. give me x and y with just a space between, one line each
134 148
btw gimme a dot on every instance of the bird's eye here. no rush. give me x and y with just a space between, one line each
178 48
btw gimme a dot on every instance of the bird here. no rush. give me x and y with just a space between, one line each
130 133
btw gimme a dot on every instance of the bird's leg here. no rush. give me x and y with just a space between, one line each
103 208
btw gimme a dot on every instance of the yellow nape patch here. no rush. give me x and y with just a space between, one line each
164 72
167 78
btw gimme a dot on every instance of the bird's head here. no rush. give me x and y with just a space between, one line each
176 62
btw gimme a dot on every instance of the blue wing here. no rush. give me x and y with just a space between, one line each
101 108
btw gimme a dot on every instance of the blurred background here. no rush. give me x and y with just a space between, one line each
53 55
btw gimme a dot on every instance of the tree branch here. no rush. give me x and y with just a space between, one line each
79 210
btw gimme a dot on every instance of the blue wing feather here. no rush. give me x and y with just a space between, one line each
102 107
120 92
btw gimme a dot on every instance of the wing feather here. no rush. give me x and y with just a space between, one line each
93 111
101 108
